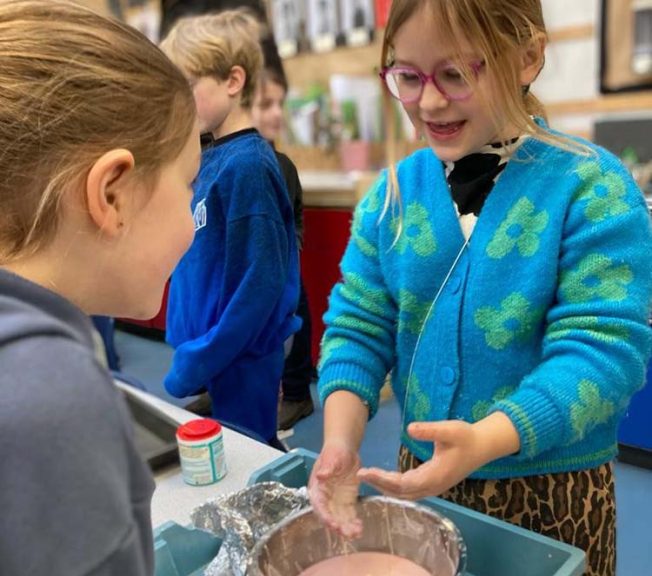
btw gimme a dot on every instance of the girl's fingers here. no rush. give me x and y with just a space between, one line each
325 470
412 485
446 432
386 482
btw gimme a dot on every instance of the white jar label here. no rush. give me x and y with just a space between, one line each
202 464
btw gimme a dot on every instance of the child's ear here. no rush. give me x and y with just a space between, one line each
532 59
236 80
107 190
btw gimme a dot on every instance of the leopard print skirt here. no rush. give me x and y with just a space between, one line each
578 508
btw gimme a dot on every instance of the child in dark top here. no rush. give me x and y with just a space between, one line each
233 296
267 113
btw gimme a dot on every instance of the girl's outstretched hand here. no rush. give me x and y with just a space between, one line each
453 461
460 449
333 489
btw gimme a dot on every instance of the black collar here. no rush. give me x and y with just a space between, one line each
208 141
472 178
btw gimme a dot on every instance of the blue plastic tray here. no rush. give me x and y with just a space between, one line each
495 548
180 551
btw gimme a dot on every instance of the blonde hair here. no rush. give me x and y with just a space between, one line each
211 45
73 86
498 30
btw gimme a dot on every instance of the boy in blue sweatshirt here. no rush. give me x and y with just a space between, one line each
233 295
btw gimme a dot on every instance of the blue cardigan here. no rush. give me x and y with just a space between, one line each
233 295
545 316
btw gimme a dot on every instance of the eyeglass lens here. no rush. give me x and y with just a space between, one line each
407 84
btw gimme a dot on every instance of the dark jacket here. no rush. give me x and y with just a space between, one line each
295 192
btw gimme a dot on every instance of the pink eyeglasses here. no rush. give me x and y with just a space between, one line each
406 83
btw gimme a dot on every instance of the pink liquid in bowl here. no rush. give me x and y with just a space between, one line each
366 564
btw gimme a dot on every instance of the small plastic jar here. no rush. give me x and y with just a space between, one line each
201 452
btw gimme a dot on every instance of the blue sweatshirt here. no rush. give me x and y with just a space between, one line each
233 295
545 316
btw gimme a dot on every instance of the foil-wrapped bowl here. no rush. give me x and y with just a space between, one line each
390 526
241 518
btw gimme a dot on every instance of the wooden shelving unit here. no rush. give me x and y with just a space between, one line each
309 68
625 102
579 32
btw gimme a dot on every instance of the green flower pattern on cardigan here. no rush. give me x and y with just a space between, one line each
419 404
521 229
590 410
328 346
603 192
481 409
356 289
369 206
590 326
417 233
596 277
412 312
515 320
353 323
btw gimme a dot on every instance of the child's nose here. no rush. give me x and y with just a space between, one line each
432 98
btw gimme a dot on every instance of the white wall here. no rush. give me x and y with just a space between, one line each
563 13
571 72
572 66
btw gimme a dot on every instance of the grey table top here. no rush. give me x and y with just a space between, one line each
173 499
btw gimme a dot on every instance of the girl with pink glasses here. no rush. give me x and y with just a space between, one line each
501 277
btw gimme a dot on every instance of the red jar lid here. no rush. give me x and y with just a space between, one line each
199 429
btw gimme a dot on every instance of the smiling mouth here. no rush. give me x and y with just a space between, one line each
445 128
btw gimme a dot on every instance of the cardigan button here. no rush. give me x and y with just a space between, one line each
447 375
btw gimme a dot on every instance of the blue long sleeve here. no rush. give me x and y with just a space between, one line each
233 295
597 339
254 277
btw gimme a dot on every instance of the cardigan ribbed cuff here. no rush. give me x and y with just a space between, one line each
353 378
539 424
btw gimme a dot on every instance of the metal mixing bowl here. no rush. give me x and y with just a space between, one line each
391 526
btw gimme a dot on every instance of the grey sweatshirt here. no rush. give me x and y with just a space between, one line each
74 494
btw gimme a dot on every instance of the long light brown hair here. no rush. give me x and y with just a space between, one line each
498 31
73 86
212 44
